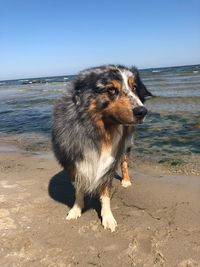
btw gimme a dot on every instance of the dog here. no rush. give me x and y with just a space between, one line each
92 132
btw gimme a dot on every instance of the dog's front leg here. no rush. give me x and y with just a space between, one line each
108 221
126 181
75 211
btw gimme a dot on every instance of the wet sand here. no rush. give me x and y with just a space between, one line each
158 218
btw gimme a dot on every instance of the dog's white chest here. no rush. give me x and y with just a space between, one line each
105 161
94 167
108 156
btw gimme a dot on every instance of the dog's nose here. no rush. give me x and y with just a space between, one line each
140 112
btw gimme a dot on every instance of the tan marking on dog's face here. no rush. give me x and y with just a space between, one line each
114 88
107 133
131 81
117 84
119 111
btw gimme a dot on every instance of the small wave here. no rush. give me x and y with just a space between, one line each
49 79
155 71
195 71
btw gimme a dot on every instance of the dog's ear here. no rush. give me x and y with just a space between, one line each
86 81
141 89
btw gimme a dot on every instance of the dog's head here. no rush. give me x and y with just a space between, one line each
113 93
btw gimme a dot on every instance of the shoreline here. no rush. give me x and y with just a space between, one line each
158 218
41 145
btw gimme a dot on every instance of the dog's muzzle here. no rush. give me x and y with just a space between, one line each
140 112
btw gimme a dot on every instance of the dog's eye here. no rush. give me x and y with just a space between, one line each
112 91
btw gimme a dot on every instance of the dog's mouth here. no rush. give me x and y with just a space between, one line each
125 123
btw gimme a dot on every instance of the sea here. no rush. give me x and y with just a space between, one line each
169 135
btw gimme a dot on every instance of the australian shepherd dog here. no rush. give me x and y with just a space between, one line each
92 131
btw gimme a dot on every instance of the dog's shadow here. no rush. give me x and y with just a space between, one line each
62 190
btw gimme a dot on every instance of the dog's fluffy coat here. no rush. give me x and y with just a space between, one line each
92 130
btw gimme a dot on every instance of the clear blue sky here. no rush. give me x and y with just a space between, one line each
46 38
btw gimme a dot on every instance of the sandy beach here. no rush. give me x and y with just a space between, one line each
158 218
92 80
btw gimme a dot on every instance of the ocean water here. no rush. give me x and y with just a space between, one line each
170 133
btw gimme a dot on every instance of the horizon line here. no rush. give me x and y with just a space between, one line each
148 68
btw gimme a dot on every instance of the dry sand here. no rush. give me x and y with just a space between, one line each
158 218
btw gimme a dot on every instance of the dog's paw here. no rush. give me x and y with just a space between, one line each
74 213
109 222
126 183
